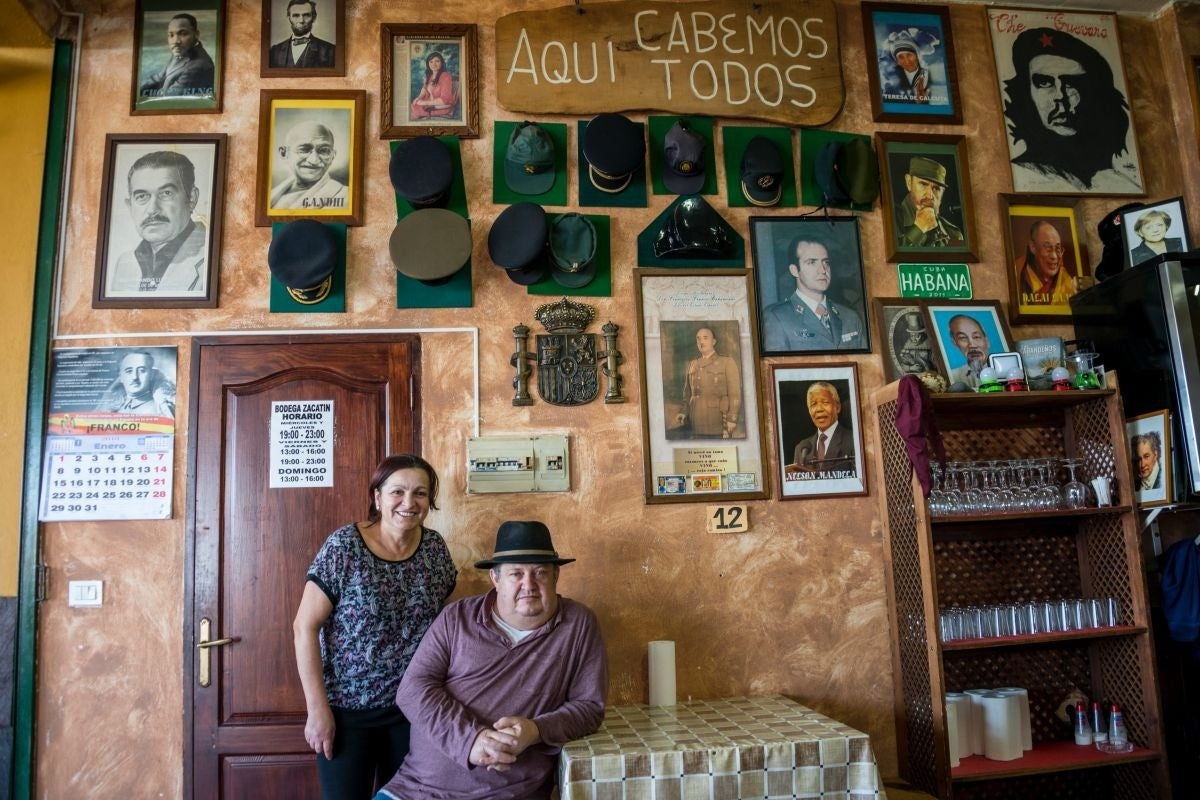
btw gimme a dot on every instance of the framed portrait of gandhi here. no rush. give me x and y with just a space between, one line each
160 221
926 198
303 38
913 76
1047 258
429 81
178 57
1066 102
702 434
310 156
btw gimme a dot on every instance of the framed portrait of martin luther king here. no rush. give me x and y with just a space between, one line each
818 431
160 221
310 156
1066 102
303 38
178 56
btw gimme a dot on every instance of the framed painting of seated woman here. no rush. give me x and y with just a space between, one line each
429 81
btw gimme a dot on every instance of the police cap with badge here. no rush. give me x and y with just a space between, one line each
517 242
614 147
683 159
762 171
303 256
573 250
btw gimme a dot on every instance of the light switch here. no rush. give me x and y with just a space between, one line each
85 594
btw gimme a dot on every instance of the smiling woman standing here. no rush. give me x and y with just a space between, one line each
373 590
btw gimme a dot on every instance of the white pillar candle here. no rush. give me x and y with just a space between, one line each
976 719
1026 728
964 713
952 731
662 673
1001 726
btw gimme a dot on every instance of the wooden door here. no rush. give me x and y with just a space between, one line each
250 545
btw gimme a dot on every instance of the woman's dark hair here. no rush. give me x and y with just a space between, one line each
392 464
429 69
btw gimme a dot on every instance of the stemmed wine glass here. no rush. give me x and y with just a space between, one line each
1074 492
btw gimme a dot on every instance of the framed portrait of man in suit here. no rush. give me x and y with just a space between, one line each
178 57
818 433
303 38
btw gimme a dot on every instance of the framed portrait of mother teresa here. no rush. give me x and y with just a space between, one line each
1066 102
913 78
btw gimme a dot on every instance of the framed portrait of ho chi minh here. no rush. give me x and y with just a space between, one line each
303 38
911 52
178 57
702 431
429 80
926 197
967 333
1066 102
1047 258
160 221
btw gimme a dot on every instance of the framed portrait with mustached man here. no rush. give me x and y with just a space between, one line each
1066 102
178 57
926 198
303 38
967 333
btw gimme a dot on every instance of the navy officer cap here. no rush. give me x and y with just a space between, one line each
517 242
614 147
302 257
421 171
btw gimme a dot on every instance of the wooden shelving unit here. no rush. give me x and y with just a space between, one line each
934 563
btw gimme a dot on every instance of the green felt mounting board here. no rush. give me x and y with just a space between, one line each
811 141
601 285
335 302
634 195
458 189
658 135
557 194
645 247
733 144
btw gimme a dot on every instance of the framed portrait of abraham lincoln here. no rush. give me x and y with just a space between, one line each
1066 102
303 38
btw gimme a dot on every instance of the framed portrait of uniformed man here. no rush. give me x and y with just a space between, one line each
303 38
178 56
310 156
429 81
926 197
1066 103
160 221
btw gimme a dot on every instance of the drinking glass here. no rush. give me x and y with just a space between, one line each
1074 492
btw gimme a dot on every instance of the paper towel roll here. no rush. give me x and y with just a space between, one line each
1001 726
976 719
952 731
662 673
965 716
1026 728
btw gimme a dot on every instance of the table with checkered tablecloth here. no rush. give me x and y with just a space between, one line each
741 747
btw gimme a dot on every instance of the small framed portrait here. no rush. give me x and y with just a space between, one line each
178 57
1048 262
429 81
926 198
818 431
1156 229
1005 364
303 38
310 156
701 413
906 338
967 333
810 286
160 221
1150 451
914 78
1066 104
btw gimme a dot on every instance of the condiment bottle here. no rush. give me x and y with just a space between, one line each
1083 729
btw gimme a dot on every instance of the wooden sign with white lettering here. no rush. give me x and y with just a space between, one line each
771 60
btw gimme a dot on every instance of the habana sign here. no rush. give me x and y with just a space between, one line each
771 60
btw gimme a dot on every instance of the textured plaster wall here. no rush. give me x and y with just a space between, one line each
796 606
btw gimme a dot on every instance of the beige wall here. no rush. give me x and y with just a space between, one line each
796 606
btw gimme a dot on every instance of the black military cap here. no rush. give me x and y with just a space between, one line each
693 229
762 172
683 157
421 172
302 256
517 242
430 245
614 147
573 250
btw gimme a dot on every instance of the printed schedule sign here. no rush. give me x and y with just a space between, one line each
301 443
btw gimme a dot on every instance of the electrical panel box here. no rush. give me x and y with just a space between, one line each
518 464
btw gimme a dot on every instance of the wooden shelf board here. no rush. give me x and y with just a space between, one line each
1048 757
1026 515
1041 638
975 401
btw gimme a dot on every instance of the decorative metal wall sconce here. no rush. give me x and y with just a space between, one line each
567 357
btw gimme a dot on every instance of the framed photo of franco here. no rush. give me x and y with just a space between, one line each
905 338
700 405
178 57
914 78
926 199
429 81
1047 256
310 156
1066 102
810 286
818 431
303 38
160 221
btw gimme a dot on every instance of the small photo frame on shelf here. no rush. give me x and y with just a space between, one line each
967 332
926 197
178 57
818 431
1155 229
905 338
1003 364
310 156
162 195
303 38
429 80
912 49
700 405
1150 451
1047 256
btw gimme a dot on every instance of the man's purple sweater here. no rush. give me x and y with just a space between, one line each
466 674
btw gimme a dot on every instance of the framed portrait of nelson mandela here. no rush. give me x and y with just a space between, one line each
1066 102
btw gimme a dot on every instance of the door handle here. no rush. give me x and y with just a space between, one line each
205 644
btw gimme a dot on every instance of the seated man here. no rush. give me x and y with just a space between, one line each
502 681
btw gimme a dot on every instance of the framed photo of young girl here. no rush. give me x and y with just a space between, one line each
429 76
